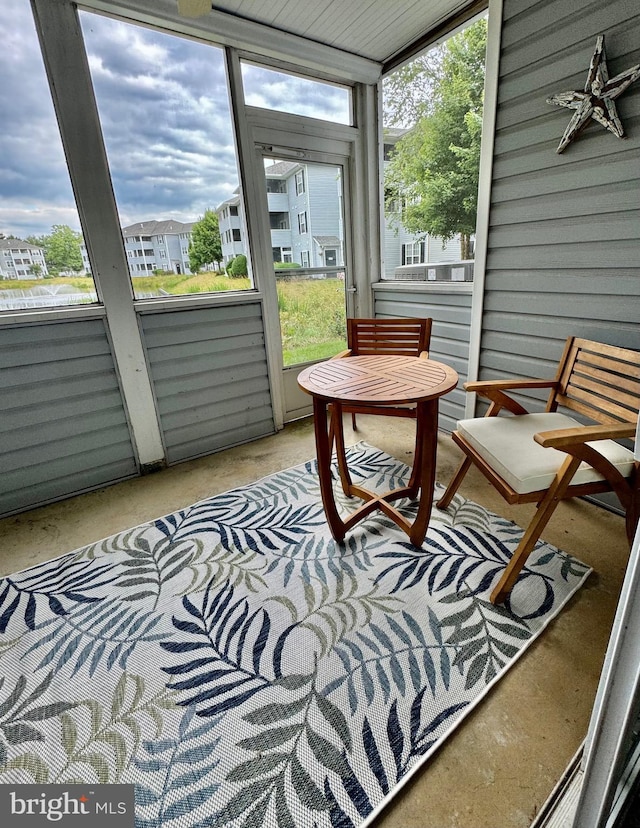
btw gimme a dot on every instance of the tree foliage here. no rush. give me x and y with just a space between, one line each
238 267
408 92
62 249
205 247
433 171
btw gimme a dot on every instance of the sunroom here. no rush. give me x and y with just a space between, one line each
102 394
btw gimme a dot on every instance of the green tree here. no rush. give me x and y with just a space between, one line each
433 171
62 249
205 247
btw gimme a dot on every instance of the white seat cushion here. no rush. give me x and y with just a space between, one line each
507 445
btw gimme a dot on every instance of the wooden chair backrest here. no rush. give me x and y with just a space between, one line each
598 381
401 337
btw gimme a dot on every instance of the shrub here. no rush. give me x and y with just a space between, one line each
238 266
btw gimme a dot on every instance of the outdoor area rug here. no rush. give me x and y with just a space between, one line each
240 668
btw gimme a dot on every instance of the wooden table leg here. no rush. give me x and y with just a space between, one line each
323 453
424 466
338 432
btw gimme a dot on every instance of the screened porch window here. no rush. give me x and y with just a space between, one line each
263 88
43 259
163 103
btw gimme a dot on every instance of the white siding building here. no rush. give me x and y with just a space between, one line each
230 225
154 245
157 245
306 229
21 260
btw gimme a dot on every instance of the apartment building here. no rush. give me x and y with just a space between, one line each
21 260
154 245
306 227
157 245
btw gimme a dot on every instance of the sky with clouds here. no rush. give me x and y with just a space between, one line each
164 111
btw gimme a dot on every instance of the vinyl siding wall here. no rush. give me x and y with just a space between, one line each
210 378
63 427
450 308
563 253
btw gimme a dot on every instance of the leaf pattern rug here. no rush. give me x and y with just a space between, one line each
240 668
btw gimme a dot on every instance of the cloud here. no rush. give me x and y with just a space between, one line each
164 111
282 92
35 190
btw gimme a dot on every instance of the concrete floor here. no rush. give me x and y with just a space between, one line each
499 766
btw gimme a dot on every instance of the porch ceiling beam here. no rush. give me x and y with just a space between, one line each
226 29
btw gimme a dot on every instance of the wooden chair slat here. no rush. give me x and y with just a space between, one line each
595 408
624 367
395 337
600 396
606 379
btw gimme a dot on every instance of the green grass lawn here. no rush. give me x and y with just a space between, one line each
312 319
312 311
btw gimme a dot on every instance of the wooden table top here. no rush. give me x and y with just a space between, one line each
378 380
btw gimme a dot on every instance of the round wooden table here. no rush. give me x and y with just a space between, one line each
378 381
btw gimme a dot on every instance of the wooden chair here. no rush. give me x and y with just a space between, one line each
549 456
400 337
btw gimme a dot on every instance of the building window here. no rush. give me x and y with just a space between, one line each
300 182
233 210
413 253
302 222
286 254
279 221
304 255
236 234
276 185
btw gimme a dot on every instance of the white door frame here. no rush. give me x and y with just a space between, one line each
293 403
260 133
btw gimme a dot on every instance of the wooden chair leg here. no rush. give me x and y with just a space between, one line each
514 567
546 507
353 422
454 485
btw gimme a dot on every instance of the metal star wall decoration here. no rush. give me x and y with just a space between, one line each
597 100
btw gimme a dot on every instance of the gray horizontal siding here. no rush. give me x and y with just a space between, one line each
209 372
63 427
564 237
563 252
451 314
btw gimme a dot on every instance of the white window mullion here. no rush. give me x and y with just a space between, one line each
68 73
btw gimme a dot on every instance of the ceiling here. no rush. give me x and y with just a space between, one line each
357 40
380 30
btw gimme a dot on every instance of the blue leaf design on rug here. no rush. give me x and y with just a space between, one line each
240 668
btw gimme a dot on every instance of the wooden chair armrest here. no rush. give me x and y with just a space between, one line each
575 443
423 355
486 387
494 390
565 438
342 354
